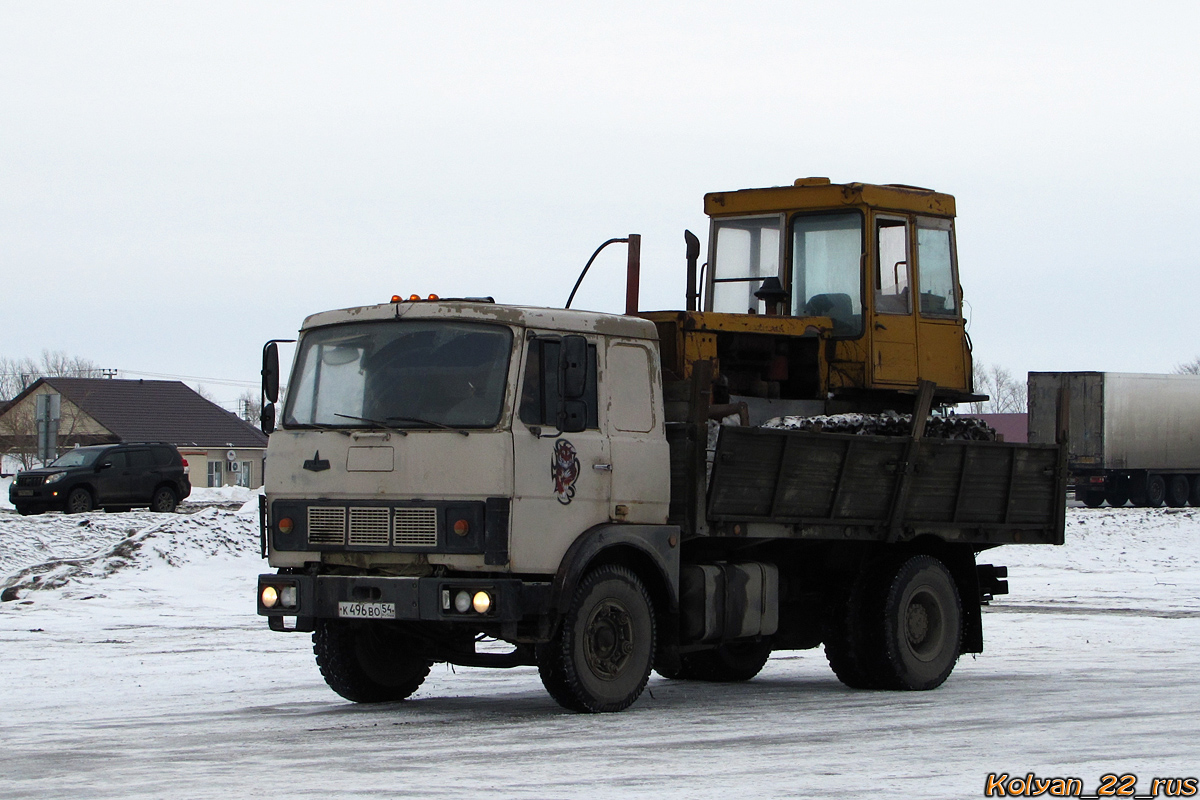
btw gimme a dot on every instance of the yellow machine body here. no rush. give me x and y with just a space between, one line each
867 300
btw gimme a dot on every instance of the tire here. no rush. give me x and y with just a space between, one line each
851 627
366 662
922 626
732 662
79 501
1194 494
1177 491
1156 491
163 501
601 657
1093 499
1116 497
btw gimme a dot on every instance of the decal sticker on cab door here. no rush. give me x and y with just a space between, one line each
564 469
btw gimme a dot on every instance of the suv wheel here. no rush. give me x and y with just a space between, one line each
164 501
79 501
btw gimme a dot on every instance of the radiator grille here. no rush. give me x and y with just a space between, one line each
370 526
416 527
30 480
326 525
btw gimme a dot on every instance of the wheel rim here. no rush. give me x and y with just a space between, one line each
80 502
924 625
608 640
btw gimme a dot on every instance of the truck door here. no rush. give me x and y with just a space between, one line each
641 486
562 481
894 330
940 333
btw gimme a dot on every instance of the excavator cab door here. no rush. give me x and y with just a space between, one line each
894 328
940 331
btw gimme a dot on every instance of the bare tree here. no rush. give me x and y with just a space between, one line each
18 428
18 374
1007 394
1188 367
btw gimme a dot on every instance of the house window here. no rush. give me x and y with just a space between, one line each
214 473
244 474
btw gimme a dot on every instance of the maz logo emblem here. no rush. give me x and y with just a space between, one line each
316 463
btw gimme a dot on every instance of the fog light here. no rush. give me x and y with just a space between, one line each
288 596
286 525
462 527
462 602
482 602
269 597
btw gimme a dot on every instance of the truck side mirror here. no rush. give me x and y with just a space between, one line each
573 367
270 372
267 418
572 416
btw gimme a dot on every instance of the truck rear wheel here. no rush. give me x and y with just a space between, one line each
601 658
850 628
1093 499
365 662
727 663
922 626
1178 491
1116 498
1155 493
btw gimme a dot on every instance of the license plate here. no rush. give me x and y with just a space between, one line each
24 492
367 610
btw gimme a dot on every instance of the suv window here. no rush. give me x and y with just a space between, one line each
140 459
117 458
165 456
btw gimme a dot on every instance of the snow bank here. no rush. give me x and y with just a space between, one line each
75 553
222 495
4 484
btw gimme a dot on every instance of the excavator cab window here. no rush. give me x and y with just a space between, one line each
746 251
935 268
892 294
826 269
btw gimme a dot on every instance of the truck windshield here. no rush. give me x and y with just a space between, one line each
400 374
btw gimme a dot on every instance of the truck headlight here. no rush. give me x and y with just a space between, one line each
269 597
462 602
482 602
288 596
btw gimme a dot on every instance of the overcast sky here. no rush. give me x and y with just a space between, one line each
180 182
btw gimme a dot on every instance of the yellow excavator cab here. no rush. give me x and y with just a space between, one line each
847 294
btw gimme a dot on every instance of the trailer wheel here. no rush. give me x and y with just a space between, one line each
1156 491
366 662
732 662
1116 498
1194 495
922 625
601 657
1178 491
1093 499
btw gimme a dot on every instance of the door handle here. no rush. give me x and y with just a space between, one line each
602 467
879 326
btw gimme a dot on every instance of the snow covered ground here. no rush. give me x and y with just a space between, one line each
141 670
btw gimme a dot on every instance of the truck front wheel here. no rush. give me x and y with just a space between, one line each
601 658
366 662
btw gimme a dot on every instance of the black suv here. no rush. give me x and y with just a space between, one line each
112 477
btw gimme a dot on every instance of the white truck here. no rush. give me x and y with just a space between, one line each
450 471
1134 437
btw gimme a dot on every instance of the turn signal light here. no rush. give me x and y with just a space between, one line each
462 527
286 525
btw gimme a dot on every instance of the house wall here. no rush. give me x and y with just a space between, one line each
199 458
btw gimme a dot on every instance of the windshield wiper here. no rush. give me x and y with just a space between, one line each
431 424
314 426
375 422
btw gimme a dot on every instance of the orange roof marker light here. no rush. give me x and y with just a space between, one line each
414 297
396 298
433 297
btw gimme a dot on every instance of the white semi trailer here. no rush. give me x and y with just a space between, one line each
1134 437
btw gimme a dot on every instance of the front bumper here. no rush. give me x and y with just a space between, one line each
410 599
